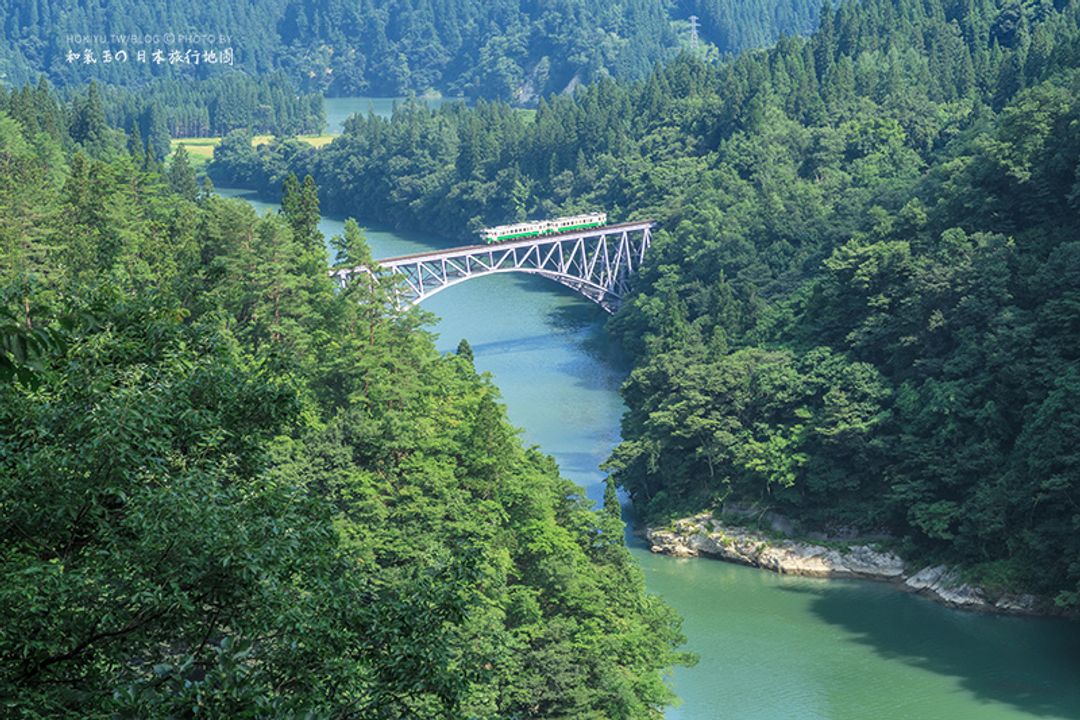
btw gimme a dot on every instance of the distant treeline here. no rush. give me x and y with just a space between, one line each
507 49
216 106
863 308
170 109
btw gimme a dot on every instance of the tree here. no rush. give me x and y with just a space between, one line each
182 175
156 131
307 222
300 205
464 350
351 247
135 145
88 125
612 506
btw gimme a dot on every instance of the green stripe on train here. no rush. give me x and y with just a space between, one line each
534 233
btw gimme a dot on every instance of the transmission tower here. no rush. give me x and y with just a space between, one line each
693 31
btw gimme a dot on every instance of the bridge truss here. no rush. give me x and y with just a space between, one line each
596 263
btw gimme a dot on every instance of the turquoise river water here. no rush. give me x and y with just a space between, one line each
771 647
339 109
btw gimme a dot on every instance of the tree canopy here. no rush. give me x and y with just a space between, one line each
231 488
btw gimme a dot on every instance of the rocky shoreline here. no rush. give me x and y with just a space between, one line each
703 535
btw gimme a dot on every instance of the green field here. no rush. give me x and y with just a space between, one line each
201 149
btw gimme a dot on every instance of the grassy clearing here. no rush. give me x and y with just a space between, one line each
201 149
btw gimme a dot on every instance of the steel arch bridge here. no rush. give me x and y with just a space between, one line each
596 263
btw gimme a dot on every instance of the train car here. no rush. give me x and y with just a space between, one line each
518 231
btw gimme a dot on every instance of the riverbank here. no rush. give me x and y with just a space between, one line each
704 535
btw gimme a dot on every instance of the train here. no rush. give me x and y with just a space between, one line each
535 228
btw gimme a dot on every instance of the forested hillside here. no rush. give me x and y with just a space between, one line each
168 109
862 310
507 49
154 115
229 488
216 106
733 26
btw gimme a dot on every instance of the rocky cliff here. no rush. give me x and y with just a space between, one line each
705 535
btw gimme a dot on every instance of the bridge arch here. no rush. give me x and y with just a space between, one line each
599 295
595 263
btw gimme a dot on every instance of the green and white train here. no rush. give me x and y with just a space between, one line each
536 228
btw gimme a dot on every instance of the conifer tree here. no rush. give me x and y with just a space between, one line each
88 126
464 350
611 498
182 175
351 248
156 131
300 205
135 145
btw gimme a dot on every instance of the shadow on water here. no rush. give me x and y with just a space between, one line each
577 463
532 343
574 317
582 373
581 317
577 316
1038 675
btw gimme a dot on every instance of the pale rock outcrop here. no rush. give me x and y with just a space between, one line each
703 535
944 583
1017 603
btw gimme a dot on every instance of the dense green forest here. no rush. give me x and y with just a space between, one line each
736 26
506 49
215 106
862 309
154 115
230 488
172 108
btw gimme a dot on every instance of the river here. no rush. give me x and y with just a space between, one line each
771 647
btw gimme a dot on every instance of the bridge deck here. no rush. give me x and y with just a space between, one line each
636 225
